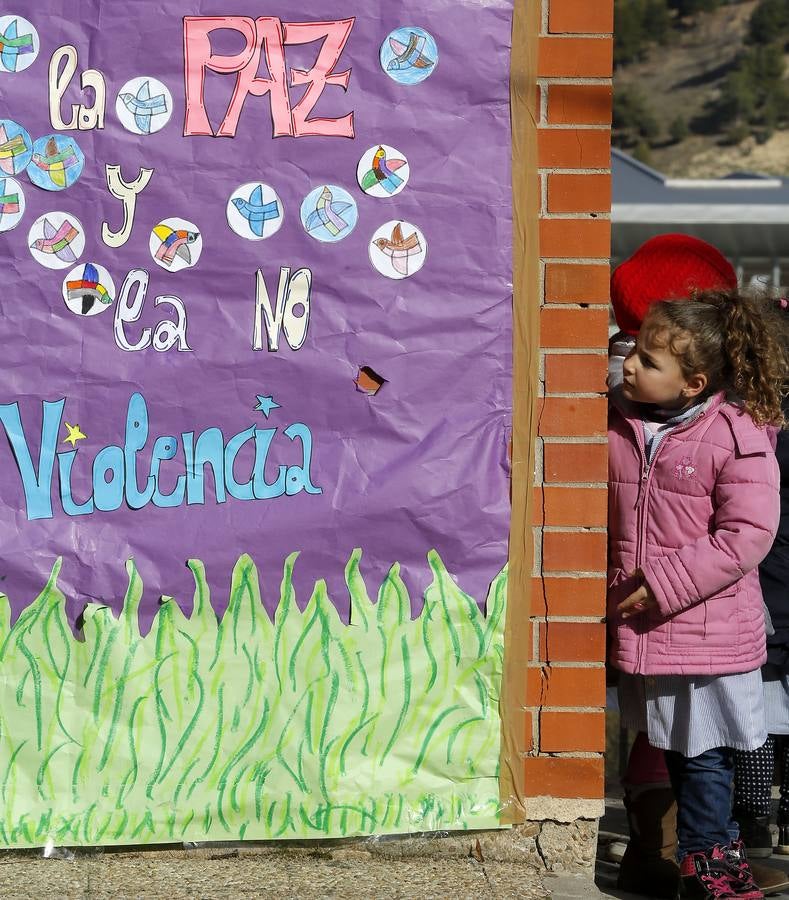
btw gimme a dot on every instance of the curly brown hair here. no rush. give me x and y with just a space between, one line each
738 340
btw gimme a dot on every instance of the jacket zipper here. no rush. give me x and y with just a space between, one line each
647 468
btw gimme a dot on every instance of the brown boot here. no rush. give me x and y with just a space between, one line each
768 879
649 865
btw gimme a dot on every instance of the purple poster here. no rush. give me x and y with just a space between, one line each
256 395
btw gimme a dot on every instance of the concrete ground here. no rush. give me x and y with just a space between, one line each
224 872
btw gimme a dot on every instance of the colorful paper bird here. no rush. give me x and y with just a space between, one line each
9 203
9 149
383 173
255 211
410 55
368 381
328 214
55 162
88 289
57 242
174 243
144 107
399 249
74 434
14 45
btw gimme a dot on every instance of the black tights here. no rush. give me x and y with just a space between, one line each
753 778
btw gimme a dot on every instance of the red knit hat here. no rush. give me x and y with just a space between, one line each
666 267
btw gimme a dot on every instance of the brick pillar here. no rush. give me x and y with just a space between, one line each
566 682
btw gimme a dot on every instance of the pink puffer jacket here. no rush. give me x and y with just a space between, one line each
697 522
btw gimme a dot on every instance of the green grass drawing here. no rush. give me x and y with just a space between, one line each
246 728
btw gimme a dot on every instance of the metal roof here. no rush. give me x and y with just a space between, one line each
746 215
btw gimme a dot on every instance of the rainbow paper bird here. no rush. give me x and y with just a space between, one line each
55 162
14 45
144 107
410 55
57 241
10 148
9 203
383 173
328 214
399 249
255 211
174 243
88 289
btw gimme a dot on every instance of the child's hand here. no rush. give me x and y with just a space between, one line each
641 600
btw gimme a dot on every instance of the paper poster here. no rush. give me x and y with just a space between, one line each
255 399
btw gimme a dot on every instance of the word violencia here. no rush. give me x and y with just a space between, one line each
265 38
114 474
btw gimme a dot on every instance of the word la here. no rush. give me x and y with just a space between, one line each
129 307
83 117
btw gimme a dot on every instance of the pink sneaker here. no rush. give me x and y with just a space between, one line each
712 875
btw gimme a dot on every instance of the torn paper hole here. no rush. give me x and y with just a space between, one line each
368 381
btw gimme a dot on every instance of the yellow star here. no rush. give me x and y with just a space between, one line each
74 434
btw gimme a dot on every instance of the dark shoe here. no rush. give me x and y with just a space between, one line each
756 835
649 865
711 876
783 839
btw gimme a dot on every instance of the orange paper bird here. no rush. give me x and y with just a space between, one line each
399 249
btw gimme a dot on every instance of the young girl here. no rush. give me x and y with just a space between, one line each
693 510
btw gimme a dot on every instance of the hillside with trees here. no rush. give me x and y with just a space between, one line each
701 87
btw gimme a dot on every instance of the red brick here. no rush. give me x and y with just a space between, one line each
577 283
573 148
563 327
574 551
563 732
564 596
575 373
528 734
581 17
572 641
572 416
567 506
579 193
579 104
575 57
589 238
575 462
551 776
565 686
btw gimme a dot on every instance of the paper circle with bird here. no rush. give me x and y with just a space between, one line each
88 289
409 54
12 203
175 244
57 162
16 148
398 249
144 105
19 42
254 211
329 213
56 240
383 171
